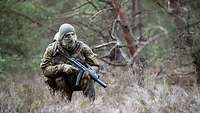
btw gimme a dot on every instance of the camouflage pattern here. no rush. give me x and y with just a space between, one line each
53 69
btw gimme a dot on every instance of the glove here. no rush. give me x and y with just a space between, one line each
69 69
86 75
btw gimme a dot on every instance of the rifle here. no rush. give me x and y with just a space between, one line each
82 69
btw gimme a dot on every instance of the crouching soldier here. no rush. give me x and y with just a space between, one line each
61 76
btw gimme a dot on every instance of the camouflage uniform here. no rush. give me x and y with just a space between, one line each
57 79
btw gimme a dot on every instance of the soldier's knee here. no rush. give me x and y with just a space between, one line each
60 83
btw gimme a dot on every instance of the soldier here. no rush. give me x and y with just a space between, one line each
60 75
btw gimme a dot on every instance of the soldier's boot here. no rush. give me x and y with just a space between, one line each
64 88
67 94
88 89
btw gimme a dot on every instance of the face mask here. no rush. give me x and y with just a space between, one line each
68 40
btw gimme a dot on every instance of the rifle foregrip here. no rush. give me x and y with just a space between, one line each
79 78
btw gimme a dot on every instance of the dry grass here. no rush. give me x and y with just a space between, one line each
123 95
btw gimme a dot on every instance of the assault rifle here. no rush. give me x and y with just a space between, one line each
82 69
85 68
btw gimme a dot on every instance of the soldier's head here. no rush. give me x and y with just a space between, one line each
67 36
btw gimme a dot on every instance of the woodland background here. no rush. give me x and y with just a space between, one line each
149 51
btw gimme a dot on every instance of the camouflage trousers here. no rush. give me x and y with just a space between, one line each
66 86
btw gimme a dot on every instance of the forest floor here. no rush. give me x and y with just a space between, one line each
29 94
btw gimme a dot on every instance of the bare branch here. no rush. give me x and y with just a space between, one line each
108 54
103 45
161 6
146 43
113 28
96 14
90 2
78 7
85 3
113 64
104 56
116 43
74 11
91 28
112 49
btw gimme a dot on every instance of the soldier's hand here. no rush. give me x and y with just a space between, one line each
86 75
68 69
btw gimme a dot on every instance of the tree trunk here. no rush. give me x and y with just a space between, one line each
120 14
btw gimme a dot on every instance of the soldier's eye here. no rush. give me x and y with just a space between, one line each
67 36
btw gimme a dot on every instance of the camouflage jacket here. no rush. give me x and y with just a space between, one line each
52 58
